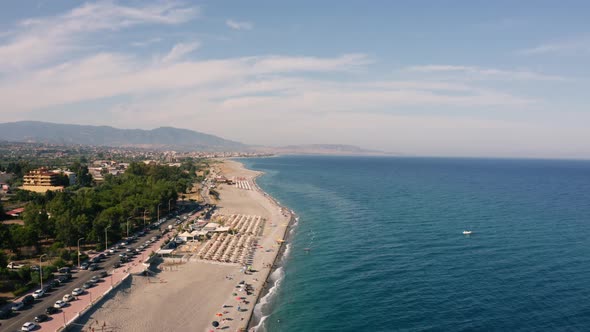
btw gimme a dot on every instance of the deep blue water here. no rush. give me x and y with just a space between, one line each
388 253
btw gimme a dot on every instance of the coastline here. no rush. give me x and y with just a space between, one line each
254 322
197 292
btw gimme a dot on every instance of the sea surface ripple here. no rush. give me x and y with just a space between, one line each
387 251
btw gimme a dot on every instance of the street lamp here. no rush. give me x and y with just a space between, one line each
170 200
106 237
144 212
159 211
128 225
41 270
79 251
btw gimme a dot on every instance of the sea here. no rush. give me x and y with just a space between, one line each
379 244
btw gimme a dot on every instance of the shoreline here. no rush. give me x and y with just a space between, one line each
253 321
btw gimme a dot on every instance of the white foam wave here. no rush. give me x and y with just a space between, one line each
277 276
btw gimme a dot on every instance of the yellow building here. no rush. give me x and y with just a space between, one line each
41 180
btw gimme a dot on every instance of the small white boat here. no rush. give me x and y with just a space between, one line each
467 232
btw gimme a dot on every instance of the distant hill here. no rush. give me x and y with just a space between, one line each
323 149
163 137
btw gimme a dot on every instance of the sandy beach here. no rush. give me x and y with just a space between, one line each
192 294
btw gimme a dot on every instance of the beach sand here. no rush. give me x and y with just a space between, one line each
189 296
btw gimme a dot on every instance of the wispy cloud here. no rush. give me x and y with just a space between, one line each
40 40
479 73
150 41
239 25
566 47
179 51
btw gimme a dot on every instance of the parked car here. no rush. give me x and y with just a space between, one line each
78 291
16 306
87 285
103 274
38 293
84 266
116 265
64 270
93 267
54 283
62 279
68 298
28 300
41 318
94 279
5 314
51 310
112 250
28 326
59 304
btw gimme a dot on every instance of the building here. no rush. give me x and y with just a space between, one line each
41 180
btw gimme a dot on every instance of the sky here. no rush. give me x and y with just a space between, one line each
425 78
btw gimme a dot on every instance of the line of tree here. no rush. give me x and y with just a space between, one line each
64 217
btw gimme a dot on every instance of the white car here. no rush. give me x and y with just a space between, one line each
68 298
59 304
38 293
77 291
28 326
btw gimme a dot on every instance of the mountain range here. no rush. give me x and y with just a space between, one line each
159 138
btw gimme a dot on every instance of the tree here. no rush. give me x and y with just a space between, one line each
2 213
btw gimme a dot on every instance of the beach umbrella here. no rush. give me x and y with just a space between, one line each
215 323
219 314
238 298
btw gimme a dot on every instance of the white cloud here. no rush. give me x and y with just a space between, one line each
179 51
38 41
473 72
567 47
237 25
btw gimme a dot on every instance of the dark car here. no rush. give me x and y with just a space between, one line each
28 300
103 274
84 266
116 265
5 314
93 267
64 270
62 279
87 285
51 310
41 318
54 283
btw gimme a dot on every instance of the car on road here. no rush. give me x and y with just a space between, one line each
5 314
41 318
84 266
16 306
94 279
78 291
54 283
38 293
103 274
59 304
68 298
28 326
61 279
93 267
64 270
116 265
112 250
87 285
51 310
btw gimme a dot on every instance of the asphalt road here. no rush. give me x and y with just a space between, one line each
29 313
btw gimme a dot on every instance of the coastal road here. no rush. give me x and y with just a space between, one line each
78 279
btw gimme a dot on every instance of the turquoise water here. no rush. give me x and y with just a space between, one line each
388 253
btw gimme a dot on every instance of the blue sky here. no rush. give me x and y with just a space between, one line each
444 78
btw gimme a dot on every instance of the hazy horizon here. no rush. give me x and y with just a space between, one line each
499 79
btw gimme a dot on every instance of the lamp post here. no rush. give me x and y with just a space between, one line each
79 251
144 212
41 270
128 225
170 200
106 237
159 211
